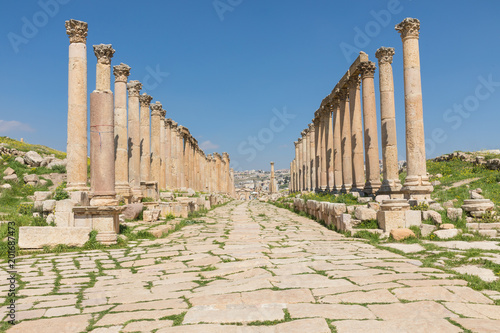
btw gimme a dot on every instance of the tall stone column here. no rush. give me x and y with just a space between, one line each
169 156
296 166
299 165
337 145
317 151
304 160
329 148
175 156
227 189
218 172
373 183
145 171
156 109
77 106
210 173
358 176
163 152
312 148
417 183
391 183
290 186
307 149
345 129
323 159
134 137
271 181
122 186
102 135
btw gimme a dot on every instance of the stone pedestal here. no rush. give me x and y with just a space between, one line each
373 183
417 185
77 106
391 184
105 220
122 186
396 213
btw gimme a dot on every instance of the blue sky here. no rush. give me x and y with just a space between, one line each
246 76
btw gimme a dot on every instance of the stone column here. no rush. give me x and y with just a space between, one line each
77 106
358 177
417 182
304 160
175 156
317 151
345 129
337 145
218 172
145 171
271 181
391 183
169 155
329 148
323 142
210 173
299 165
156 109
296 166
312 148
122 186
102 135
307 149
227 189
373 183
163 152
134 137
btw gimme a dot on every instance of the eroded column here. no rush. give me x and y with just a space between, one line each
122 186
296 166
169 156
102 135
373 183
156 110
337 146
358 176
163 152
345 129
391 183
134 137
77 106
307 149
312 148
417 182
329 148
145 171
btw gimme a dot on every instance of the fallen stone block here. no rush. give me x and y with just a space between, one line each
488 233
432 215
33 159
402 233
427 229
42 195
447 233
38 237
454 214
364 213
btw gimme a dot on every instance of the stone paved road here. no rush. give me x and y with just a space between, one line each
250 268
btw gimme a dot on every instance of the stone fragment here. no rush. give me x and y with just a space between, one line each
381 197
11 178
483 273
20 160
406 248
402 233
364 200
432 215
488 233
38 237
9 171
447 226
364 213
6 186
42 195
454 214
447 234
33 159
132 211
436 206
426 229
448 204
49 205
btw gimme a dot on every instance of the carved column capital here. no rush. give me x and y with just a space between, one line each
409 27
145 100
104 53
367 69
121 72
77 31
384 55
354 81
134 87
156 109
343 94
163 113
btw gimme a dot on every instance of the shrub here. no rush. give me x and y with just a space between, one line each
59 168
421 206
60 193
147 199
25 208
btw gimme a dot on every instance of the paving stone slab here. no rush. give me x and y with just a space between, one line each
331 311
233 313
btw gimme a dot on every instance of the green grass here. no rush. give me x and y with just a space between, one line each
24 146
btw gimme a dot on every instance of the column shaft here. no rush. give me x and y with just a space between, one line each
345 128
337 147
358 177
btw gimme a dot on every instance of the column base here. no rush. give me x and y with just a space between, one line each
103 201
417 187
346 188
71 187
104 220
372 187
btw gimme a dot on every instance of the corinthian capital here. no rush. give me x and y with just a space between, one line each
354 81
134 87
104 53
163 113
77 31
121 72
343 94
367 69
145 100
156 109
409 27
384 55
